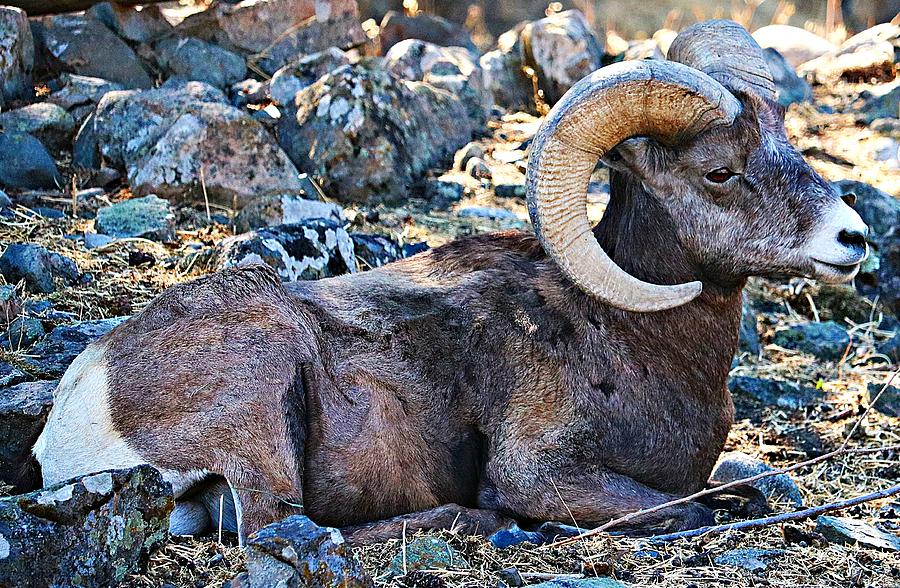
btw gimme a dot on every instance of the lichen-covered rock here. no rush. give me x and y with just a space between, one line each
736 465
174 141
562 49
396 27
366 136
16 54
81 44
790 87
197 60
26 163
49 123
826 340
22 333
90 532
847 531
426 553
797 45
878 102
302 73
51 357
284 209
149 217
277 31
23 411
308 250
297 552
74 90
453 69
40 269
140 26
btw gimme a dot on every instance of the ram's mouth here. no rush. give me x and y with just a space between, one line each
834 273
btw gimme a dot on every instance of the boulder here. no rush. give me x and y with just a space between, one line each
54 353
396 27
47 122
91 532
308 250
176 141
562 49
16 54
864 57
149 217
297 552
366 136
878 102
426 553
40 269
81 44
847 531
878 209
22 333
277 31
74 90
23 411
736 465
789 86
503 75
887 274
796 45
826 340
197 60
138 26
302 73
453 69
26 163
268 211
10 375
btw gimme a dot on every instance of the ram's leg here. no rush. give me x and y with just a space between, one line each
591 499
467 521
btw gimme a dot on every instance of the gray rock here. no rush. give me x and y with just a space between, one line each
396 27
302 73
366 135
826 340
563 49
23 412
780 393
453 69
889 401
581 583
478 168
736 465
442 192
297 552
10 375
750 558
748 341
891 349
426 553
78 90
309 250
47 122
5 201
503 76
864 57
268 211
509 189
878 209
94 530
139 26
95 240
847 531
462 157
487 212
16 54
797 45
878 102
22 333
149 217
80 44
789 86
193 59
375 250
52 356
25 163
39 268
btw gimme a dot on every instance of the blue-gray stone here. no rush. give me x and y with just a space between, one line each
23 411
789 395
39 268
194 59
826 340
513 535
736 466
426 553
750 558
22 333
54 353
847 531
25 163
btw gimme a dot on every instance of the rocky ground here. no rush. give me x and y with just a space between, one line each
139 150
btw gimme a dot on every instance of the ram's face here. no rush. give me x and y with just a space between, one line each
744 201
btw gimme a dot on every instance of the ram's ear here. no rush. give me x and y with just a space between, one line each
633 155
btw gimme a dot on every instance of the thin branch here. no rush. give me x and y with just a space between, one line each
842 450
780 518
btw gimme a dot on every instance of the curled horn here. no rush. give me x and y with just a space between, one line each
666 101
725 51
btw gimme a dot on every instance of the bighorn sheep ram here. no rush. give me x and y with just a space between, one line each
579 373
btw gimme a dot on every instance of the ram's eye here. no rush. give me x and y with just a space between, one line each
720 175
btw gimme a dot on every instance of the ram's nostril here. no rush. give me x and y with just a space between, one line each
852 238
849 198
